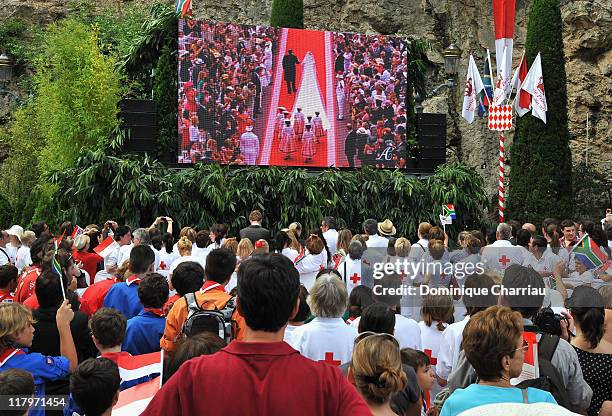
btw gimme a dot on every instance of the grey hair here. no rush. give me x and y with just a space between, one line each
142 235
355 250
328 297
505 231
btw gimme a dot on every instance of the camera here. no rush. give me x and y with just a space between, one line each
550 322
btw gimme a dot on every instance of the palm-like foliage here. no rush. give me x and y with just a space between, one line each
136 190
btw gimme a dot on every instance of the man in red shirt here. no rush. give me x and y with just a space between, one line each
261 375
27 280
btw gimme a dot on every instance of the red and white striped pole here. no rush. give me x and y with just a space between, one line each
502 199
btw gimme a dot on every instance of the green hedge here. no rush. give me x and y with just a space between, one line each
541 172
136 190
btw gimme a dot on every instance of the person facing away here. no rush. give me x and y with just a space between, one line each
94 386
289 69
261 372
255 231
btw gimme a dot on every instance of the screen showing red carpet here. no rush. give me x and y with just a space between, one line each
257 95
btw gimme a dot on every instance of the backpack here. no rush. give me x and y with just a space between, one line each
550 379
217 321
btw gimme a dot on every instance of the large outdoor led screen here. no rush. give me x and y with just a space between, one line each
257 95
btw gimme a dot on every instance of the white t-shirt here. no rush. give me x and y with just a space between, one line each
5 257
430 341
112 260
183 259
325 339
450 346
331 236
290 253
23 258
500 255
350 270
377 241
12 252
124 254
309 266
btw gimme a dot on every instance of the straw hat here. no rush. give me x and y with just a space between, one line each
386 228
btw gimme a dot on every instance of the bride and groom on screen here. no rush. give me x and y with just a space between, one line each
308 105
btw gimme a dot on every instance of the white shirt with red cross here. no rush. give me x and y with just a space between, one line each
350 270
500 255
329 340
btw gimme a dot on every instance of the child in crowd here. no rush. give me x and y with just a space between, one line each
421 364
107 327
144 331
188 277
94 386
8 282
17 332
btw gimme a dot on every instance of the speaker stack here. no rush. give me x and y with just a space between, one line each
431 137
139 120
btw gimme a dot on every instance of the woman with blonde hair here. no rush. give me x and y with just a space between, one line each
344 239
376 370
244 250
327 337
188 232
295 244
310 262
184 246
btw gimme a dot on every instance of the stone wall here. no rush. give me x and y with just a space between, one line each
467 23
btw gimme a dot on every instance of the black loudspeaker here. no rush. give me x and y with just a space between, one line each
139 119
431 137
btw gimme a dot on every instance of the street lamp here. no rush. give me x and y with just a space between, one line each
451 59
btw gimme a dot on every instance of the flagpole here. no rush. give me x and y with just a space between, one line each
518 91
502 199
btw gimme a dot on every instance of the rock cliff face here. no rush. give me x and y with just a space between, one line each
467 23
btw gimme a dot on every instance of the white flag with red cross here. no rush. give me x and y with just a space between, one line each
534 85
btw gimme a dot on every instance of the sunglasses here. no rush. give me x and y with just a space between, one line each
367 334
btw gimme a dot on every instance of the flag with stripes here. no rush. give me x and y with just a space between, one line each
106 247
134 401
133 367
448 210
589 253
183 7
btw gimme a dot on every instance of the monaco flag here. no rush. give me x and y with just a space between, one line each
134 401
502 85
522 101
534 85
503 15
106 247
473 87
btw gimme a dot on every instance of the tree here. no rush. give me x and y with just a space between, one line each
287 13
541 170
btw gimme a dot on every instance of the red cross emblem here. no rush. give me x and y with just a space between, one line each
162 266
504 260
355 278
321 267
329 359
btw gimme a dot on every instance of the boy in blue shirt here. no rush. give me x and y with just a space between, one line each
144 331
16 334
124 296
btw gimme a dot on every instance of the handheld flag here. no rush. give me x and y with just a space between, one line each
534 85
448 210
473 86
522 101
445 220
183 7
589 253
106 247
134 401
55 264
503 16
77 232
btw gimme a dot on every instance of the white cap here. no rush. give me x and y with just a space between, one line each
15 230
